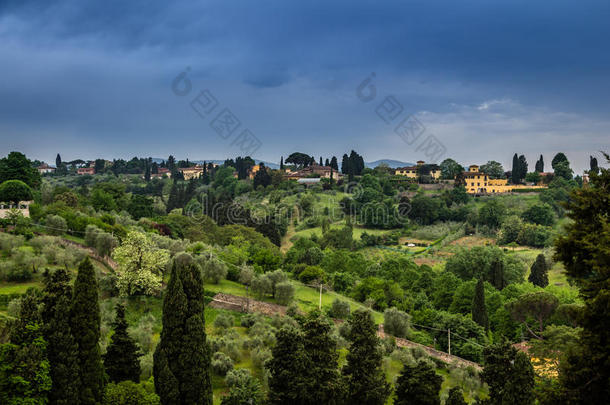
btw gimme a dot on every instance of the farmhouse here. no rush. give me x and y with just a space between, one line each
413 172
45 168
477 182
314 171
191 172
85 170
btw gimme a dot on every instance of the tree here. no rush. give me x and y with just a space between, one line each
558 158
282 163
538 305
214 270
493 169
522 168
140 206
288 368
299 159
129 393
503 364
585 252
345 164
456 397
492 213
121 360
540 165
541 214
538 272
181 367
243 389
418 384
563 170
450 169
324 384
85 321
62 348
140 264
594 167
15 191
395 322
334 164
479 312
363 374
284 292
262 177
515 173
17 167
57 161
24 367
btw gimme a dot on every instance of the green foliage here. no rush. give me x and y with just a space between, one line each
121 360
492 213
214 270
479 312
456 397
182 357
15 191
541 214
85 322
493 169
17 167
221 363
363 374
339 309
288 368
284 293
243 389
477 262
62 348
450 168
395 322
140 206
140 264
585 253
508 374
56 225
129 393
311 274
538 305
418 384
538 272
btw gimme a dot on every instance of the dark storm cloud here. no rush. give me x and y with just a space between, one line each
100 71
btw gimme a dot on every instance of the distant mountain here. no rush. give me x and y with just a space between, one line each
268 164
391 163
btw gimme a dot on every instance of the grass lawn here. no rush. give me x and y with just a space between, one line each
18 288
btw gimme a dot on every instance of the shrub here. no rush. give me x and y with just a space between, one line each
56 225
339 309
223 321
221 363
395 322
312 273
284 293
130 393
237 377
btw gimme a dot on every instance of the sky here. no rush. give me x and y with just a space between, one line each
481 80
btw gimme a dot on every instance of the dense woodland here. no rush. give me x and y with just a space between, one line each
107 288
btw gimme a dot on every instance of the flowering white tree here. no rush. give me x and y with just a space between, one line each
141 264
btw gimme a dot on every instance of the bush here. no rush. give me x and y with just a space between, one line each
221 363
312 273
56 225
339 309
223 321
395 322
130 393
237 377
284 293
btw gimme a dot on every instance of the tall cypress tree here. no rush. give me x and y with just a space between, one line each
345 164
333 163
519 388
288 369
497 274
282 163
538 272
516 170
479 312
182 358
418 384
363 374
324 381
456 397
522 168
85 319
62 349
121 360
540 165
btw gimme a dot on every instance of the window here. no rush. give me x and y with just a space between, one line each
478 184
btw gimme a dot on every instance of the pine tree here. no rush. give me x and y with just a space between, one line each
62 349
24 366
538 272
121 360
418 384
479 312
182 358
363 374
288 368
324 380
85 321
456 397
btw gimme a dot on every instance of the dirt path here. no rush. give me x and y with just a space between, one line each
242 304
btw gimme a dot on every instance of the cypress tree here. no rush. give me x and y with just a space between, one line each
593 165
522 168
85 319
324 381
418 384
182 357
282 163
327 162
57 161
62 349
321 161
345 164
456 397
147 171
121 360
519 389
363 374
497 274
333 163
538 272
516 170
288 369
173 199
540 165
479 312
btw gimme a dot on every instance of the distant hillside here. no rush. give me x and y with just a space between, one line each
392 163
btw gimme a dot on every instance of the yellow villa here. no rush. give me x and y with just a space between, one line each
477 182
411 171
